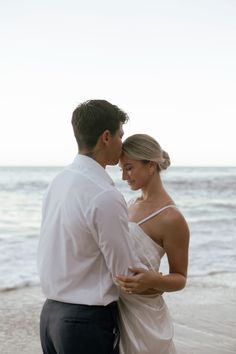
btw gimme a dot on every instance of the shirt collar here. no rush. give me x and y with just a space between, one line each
85 162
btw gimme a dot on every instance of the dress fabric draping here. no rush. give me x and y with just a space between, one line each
145 323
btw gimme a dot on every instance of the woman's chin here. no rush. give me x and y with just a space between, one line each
133 187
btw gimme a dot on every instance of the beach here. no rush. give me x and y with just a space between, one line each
204 316
204 313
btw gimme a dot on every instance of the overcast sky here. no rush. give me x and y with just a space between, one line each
170 64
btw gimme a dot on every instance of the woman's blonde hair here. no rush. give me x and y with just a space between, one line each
143 147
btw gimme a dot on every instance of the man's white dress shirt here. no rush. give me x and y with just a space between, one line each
84 238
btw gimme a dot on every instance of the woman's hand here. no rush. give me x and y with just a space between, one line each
142 282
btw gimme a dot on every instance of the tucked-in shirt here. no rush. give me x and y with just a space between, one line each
84 239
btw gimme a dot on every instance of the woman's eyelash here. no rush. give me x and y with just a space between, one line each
126 169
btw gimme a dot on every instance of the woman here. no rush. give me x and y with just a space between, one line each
156 227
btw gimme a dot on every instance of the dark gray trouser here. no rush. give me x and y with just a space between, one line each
79 329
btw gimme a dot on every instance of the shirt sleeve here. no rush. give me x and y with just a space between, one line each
110 228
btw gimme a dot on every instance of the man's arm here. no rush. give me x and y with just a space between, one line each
110 228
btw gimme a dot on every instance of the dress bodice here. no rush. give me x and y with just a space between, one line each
148 251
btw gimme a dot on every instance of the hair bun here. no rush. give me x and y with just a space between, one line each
165 161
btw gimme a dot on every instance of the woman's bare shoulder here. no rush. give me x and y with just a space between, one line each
174 219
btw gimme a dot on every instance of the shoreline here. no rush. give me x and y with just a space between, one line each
204 316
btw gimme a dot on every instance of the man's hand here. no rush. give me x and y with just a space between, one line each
142 282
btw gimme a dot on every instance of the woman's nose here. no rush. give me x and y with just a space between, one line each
124 175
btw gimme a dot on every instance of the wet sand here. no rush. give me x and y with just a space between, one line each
204 315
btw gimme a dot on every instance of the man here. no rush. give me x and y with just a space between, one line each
84 241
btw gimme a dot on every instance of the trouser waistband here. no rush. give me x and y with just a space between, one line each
112 304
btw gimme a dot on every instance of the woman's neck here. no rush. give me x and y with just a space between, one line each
154 190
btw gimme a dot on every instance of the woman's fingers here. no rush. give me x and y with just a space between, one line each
129 279
124 279
125 283
131 284
137 270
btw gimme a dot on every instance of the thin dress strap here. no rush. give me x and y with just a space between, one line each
156 213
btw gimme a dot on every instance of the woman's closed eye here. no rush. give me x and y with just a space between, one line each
128 167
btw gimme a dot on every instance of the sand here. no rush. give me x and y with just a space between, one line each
204 316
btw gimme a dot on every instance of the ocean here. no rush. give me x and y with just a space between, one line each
205 195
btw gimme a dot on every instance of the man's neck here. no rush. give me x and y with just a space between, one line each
95 155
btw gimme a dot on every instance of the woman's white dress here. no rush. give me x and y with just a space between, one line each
145 323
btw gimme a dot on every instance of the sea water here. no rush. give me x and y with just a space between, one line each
205 195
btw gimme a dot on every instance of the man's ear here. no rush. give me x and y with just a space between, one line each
105 136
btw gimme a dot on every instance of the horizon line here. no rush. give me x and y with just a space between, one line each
64 165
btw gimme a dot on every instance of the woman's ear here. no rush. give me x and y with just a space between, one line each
152 167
